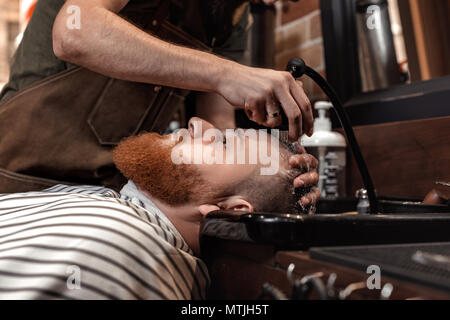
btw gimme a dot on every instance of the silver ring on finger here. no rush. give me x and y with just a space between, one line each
248 109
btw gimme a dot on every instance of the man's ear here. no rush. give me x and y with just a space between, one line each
204 209
231 204
236 204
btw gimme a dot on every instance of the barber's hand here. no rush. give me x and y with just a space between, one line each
263 93
308 164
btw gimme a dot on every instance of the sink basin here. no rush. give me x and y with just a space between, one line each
287 231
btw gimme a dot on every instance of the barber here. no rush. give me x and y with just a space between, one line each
90 72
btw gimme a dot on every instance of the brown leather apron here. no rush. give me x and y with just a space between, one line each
62 128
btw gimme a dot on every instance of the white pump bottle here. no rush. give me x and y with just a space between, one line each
329 148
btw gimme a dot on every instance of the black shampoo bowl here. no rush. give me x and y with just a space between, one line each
288 231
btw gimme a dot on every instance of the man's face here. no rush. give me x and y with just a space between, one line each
226 156
197 164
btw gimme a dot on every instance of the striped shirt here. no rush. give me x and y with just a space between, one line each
89 242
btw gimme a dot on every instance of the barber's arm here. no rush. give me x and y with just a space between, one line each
110 45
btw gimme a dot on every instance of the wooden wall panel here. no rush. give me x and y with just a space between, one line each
404 158
430 25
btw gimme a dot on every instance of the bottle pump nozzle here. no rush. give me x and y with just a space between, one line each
322 123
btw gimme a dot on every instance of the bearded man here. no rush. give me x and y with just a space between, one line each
89 242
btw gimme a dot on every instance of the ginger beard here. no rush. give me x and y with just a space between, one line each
146 160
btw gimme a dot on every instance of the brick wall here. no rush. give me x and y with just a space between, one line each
299 34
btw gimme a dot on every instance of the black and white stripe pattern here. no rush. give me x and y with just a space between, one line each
122 250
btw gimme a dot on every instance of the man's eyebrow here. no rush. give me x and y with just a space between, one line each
238 133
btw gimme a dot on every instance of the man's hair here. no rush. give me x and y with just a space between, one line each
270 193
275 193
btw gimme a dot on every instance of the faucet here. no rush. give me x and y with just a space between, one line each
297 67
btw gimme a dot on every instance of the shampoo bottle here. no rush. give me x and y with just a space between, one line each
329 148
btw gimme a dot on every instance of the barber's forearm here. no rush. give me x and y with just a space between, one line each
108 44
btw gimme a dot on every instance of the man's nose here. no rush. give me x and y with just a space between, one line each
197 127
